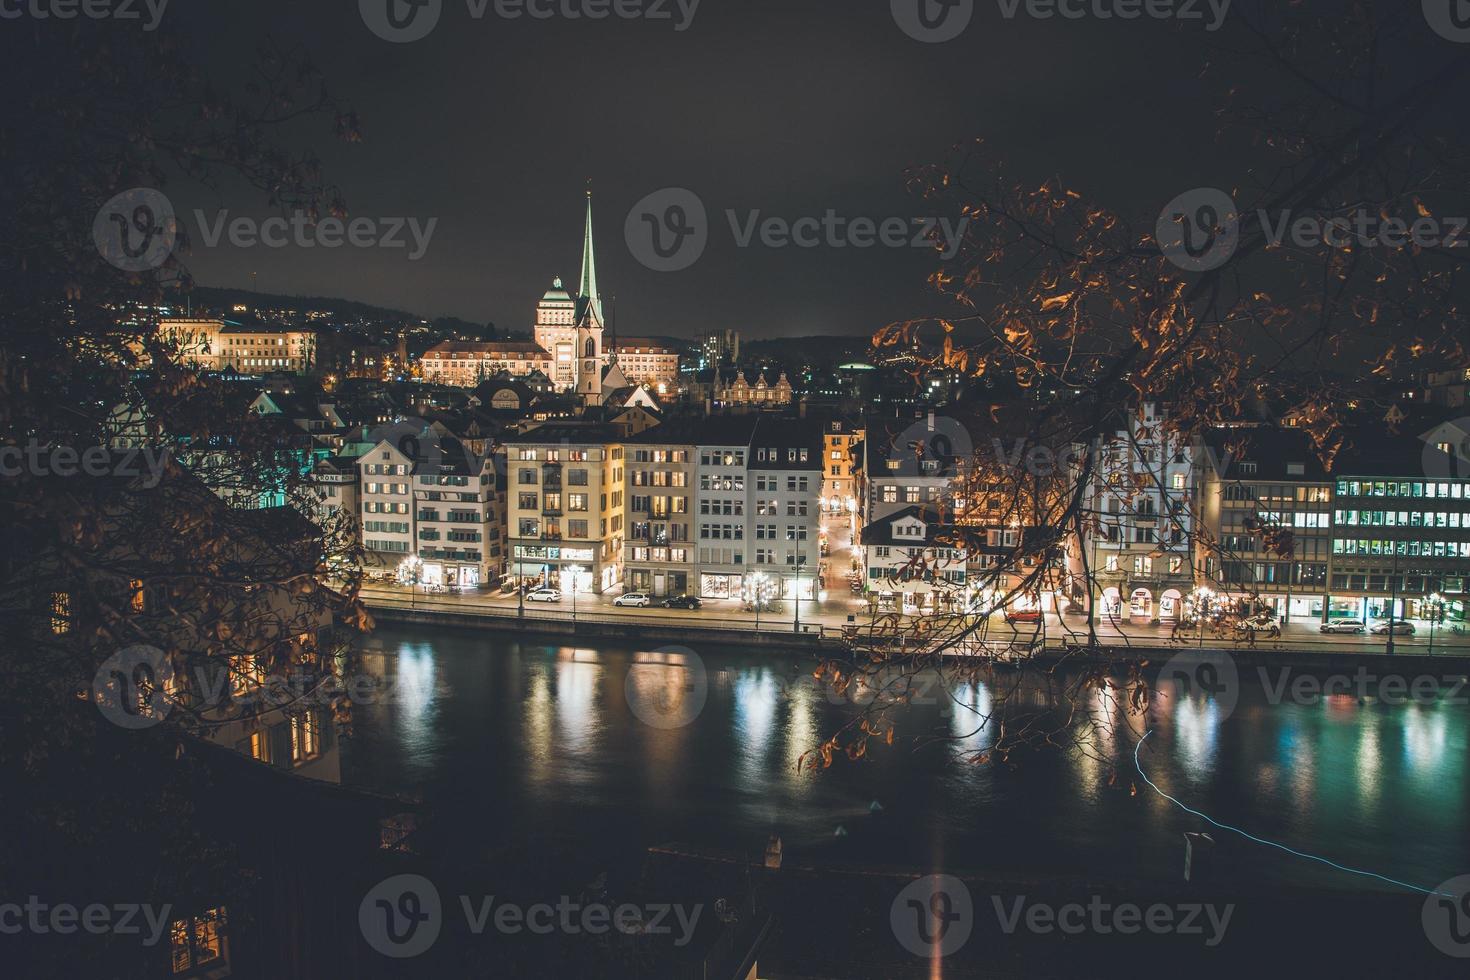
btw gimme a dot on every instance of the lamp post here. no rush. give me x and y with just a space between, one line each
575 571
796 599
1393 598
1436 606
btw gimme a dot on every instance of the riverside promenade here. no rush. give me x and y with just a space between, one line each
820 627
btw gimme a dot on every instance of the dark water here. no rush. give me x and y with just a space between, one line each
534 745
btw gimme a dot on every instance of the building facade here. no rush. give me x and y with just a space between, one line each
467 364
565 506
1141 503
219 344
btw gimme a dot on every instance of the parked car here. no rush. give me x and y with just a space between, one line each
1023 615
1259 624
632 599
1343 626
1399 626
682 602
544 595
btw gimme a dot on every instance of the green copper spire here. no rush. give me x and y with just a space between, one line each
587 291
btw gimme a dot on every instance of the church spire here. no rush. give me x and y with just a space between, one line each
587 290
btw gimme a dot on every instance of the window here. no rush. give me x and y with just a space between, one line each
890 495
199 941
576 501
60 612
305 738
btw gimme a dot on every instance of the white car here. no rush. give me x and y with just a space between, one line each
1399 627
632 599
544 595
1343 626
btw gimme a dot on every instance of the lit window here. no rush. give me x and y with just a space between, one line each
199 941
60 612
305 738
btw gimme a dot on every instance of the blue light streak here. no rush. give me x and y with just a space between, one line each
1268 843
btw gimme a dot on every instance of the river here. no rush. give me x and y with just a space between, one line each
536 743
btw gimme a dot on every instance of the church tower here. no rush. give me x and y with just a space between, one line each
589 323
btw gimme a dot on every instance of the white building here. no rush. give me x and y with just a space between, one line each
1140 509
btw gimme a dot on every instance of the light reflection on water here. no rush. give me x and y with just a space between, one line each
539 741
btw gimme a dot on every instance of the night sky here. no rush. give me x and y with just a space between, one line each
791 107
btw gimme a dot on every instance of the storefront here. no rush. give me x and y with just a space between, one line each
718 585
451 575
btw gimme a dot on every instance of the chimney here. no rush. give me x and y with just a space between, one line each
801 409
708 407
931 420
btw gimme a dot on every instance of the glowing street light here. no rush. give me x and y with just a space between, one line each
410 573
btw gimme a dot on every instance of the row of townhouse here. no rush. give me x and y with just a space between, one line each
431 499
1245 515
693 506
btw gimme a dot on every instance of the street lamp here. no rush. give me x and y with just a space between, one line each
575 571
796 599
759 587
1436 609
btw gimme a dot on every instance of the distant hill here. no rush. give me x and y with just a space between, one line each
223 297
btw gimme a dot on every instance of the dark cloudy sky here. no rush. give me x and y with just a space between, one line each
789 107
